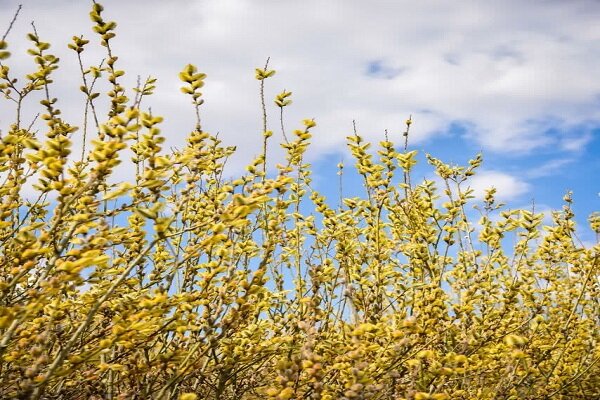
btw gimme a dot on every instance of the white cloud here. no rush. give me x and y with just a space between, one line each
549 167
508 186
520 74
574 144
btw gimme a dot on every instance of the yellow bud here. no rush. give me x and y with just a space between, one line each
309 123
286 393
461 359
425 354
514 340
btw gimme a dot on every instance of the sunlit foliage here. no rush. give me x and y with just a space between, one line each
183 284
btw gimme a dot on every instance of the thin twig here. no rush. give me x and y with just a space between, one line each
12 22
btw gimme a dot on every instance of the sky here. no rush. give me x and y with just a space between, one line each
514 80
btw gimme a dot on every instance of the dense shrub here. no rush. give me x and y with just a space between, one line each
184 284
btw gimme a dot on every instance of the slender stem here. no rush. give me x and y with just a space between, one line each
264 120
14 19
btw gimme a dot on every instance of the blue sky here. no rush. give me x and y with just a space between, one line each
515 80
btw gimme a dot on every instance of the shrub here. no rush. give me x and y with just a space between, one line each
187 285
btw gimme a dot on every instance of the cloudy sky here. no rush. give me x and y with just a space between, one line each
516 80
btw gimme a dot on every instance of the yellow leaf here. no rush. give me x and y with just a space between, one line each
121 190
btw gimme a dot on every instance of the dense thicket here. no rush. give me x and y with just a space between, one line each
183 284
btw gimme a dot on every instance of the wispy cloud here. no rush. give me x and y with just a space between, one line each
548 168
